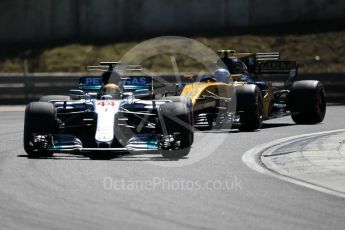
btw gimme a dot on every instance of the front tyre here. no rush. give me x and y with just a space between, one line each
189 104
175 121
40 119
249 106
49 98
175 154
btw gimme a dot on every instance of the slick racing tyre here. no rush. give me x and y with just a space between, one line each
307 102
249 106
188 102
40 118
49 98
174 118
184 100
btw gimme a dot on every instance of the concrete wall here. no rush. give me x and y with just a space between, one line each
51 20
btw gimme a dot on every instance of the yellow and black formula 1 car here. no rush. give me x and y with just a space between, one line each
245 101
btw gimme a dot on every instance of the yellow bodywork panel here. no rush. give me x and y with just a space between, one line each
201 95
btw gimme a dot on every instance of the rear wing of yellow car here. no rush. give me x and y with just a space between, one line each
264 64
270 63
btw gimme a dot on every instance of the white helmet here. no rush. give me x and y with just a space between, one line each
222 75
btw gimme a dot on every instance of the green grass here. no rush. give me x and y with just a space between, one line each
330 47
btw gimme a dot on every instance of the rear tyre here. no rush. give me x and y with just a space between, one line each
249 105
175 118
40 118
48 98
307 102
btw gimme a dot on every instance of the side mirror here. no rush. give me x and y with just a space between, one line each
202 97
77 94
180 85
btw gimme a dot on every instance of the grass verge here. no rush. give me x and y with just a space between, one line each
315 53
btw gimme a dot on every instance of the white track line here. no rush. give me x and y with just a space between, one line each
252 159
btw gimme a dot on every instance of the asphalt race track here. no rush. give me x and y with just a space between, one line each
70 192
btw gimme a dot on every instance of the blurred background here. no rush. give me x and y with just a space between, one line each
58 38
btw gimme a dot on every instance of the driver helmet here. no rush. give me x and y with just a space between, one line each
222 75
112 89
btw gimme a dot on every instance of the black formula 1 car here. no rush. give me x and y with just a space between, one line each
102 118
